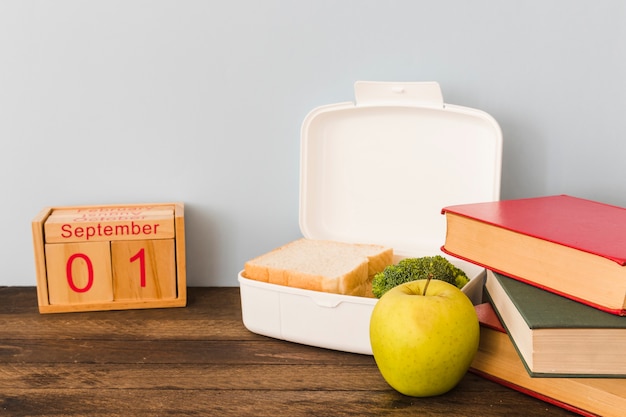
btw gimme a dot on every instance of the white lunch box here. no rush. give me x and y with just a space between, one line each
378 170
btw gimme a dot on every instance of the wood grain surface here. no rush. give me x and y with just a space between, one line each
200 360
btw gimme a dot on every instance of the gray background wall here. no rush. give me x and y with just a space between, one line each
201 101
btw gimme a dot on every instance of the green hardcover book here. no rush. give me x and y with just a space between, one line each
556 336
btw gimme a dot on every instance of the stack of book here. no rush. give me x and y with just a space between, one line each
554 326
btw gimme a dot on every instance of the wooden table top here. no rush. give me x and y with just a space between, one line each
201 360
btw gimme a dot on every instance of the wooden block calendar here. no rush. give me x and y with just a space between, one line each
110 257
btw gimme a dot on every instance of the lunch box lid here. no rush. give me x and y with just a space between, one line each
381 168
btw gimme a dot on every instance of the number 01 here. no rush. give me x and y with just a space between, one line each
140 256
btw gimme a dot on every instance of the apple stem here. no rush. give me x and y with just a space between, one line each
427 282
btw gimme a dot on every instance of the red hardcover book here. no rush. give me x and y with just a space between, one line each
567 245
498 360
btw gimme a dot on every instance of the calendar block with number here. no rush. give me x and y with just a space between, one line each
111 257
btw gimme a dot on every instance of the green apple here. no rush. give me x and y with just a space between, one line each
424 344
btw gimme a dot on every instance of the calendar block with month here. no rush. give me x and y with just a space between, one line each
110 257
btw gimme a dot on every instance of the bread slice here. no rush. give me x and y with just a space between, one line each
322 265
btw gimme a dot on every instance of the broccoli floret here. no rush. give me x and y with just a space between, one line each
411 269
